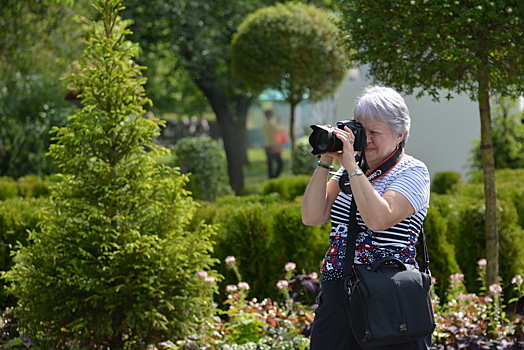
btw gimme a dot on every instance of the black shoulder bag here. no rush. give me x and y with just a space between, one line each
389 301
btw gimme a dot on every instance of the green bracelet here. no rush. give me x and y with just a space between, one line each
330 167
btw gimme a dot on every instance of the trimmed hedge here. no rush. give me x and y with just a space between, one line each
263 233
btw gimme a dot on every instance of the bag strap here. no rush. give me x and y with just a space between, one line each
347 272
352 239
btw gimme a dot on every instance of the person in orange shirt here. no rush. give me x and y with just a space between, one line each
271 129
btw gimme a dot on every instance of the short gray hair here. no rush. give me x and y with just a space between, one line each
384 104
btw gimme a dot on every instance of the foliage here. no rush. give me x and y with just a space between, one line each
293 48
113 265
39 40
431 45
169 86
205 160
444 181
508 137
439 240
199 34
29 107
261 234
303 162
474 47
29 186
288 188
18 216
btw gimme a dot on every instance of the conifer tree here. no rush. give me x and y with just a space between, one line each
114 265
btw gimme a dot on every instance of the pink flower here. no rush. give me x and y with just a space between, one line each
290 266
243 285
202 274
517 280
282 284
209 279
231 288
482 262
230 260
495 288
313 275
458 277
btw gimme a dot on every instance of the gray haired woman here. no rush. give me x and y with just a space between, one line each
391 209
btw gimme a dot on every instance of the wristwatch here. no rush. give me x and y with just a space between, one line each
357 171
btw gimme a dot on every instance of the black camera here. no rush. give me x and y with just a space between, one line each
323 140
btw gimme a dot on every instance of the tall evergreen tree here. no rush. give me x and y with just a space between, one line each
114 265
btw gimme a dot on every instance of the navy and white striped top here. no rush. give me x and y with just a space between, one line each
409 177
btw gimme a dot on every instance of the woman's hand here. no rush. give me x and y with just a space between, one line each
347 156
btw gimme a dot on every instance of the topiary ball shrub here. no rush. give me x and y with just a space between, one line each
206 161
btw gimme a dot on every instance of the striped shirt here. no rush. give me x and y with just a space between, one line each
410 177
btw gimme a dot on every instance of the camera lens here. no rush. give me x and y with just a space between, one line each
323 140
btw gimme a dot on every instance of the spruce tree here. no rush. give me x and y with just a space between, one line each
113 265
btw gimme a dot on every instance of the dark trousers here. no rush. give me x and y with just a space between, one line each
274 158
331 328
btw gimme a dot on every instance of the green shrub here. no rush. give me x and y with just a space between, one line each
444 181
442 253
303 163
263 236
8 188
18 216
205 160
113 265
287 187
33 186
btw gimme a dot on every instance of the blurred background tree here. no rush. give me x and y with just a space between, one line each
39 39
199 33
293 48
508 137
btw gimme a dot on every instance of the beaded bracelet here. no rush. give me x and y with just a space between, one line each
330 167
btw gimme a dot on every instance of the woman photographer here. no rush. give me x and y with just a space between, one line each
392 205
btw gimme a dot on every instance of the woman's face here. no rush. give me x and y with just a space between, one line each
381 141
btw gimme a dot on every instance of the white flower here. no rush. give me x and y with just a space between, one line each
517 280
209 279
482 262
495 288
282 284
243 285
230 259
290 266
202 274
231 288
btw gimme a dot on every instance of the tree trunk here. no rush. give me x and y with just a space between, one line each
490 188
293 105
231 116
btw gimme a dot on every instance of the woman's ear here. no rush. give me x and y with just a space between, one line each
400 138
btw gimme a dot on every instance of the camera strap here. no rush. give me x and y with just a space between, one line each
373 175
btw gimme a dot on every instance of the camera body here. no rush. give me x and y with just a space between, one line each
323 140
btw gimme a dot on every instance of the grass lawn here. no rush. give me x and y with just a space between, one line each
256 172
